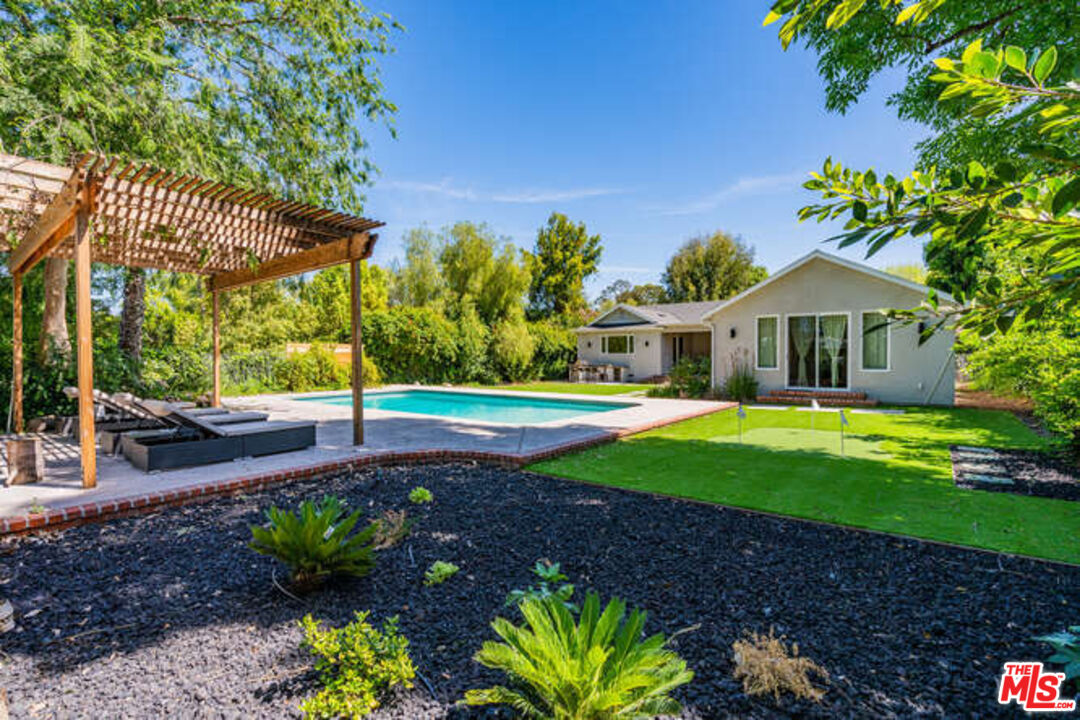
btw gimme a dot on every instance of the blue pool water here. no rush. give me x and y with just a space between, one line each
475 406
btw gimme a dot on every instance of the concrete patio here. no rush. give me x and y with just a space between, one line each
389 436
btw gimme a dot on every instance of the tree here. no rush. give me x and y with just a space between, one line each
418 281
857 41
324 301
711 268
133 313
268 94
565 254
622 291
915 272
482 269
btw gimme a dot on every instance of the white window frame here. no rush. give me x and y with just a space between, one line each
630 344
888 342
817 347
757 343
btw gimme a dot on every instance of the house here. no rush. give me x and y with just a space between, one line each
814 328
645 341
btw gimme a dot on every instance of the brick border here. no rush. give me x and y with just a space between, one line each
72 515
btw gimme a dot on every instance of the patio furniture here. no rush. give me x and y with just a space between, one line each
200 440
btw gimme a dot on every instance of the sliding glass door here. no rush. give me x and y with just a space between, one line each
817 351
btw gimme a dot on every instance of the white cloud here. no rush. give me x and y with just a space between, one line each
447 188
743 187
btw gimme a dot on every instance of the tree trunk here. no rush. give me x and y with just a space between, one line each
131 319
54 329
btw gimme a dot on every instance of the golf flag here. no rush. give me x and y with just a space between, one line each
843 418
741 413
843 424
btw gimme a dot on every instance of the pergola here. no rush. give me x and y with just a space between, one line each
123 213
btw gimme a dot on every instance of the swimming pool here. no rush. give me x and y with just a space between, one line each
512 409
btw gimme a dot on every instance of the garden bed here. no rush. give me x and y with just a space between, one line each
1021 472
171 613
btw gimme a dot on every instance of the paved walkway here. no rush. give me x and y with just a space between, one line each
387 434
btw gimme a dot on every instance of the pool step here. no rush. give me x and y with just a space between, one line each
826 398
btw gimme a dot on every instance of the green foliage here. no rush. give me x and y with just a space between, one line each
314 542
313 369
323 301
565 254
593 669
740 384
473 338
412 344
420 496
690 377
418 281
554 348
711 268
440 572
1066 645
549 574
621 291
512 349
484 270
357 665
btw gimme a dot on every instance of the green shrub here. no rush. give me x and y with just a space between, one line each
420 495
412 344
314 542
440 572
740 384
549 574
512 350
473 338
555 348
1066 645
357 665
690 377
594 669
179 371
314 369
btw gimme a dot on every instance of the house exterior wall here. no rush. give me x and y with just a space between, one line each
695 344
821 286
645 362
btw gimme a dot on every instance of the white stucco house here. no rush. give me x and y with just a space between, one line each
815 327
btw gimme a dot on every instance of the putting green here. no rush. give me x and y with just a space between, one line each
817 441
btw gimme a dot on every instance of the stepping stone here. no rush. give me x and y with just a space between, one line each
984 451
990 479
978 466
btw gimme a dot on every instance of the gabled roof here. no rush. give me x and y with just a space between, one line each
689 313
836 260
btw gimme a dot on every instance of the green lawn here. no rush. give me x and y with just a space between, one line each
574 388
895 476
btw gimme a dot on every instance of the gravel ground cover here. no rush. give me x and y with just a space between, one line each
171 615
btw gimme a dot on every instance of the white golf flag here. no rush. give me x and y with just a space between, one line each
814 404
843 418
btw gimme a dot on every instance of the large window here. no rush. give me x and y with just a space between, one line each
817 350
875 341
768 332
617 344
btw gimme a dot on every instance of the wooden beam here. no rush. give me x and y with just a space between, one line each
357 247
356 311
85 343
52 226
17 351
215 398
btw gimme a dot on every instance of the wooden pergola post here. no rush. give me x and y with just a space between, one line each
215 305
356 310
85 339
17 351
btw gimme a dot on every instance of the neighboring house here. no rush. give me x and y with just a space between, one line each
646 340
817 325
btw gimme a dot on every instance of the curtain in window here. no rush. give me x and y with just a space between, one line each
766 349
875 341
833 330
802 335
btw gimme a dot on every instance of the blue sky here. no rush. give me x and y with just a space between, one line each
650 122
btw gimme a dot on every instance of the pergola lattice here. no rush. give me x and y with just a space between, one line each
106 211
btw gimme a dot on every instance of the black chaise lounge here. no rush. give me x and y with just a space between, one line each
200 440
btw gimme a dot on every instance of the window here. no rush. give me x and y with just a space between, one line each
875 341
768 328
617 344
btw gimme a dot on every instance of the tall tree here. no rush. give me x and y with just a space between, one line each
711 268
483 269
565 254
622 291
269 94
418 280
133 312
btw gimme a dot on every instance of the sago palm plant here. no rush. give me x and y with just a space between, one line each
596 669
314 542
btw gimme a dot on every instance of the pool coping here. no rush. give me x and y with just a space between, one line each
78 514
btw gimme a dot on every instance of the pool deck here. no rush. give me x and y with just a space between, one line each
390 438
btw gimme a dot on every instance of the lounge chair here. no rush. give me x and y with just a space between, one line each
201 440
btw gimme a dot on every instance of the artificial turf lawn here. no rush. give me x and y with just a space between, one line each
896 475
572 388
